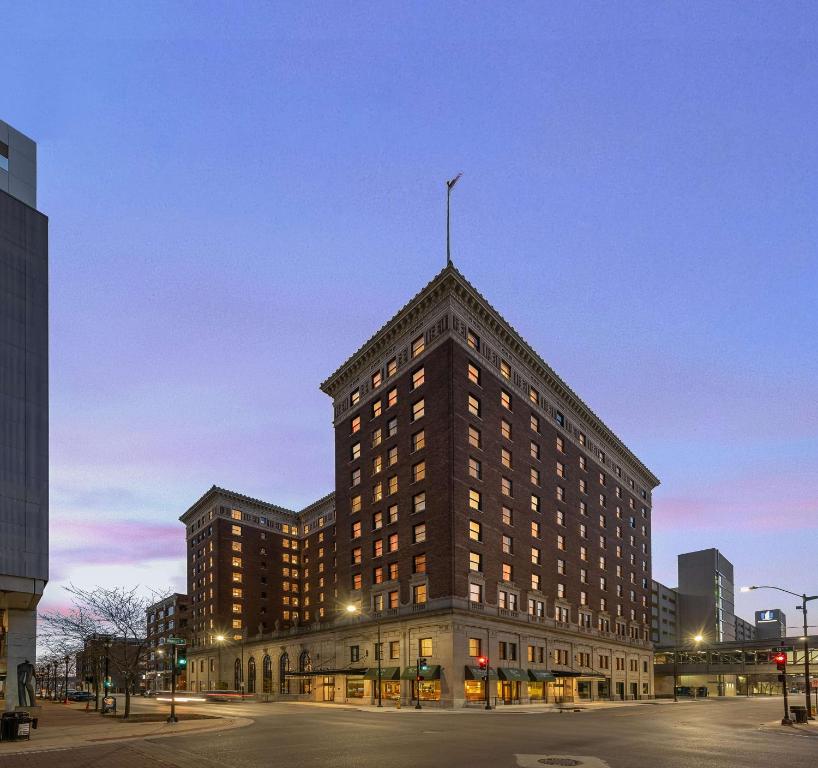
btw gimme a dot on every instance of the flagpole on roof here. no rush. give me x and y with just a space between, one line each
449 186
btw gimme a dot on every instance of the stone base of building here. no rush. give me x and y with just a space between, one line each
433 654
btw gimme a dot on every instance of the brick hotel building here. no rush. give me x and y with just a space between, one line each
480 508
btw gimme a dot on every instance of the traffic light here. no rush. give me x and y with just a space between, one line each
181 658
482 662
422 667
780 658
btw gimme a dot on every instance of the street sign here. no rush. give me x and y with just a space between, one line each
182 641
783 649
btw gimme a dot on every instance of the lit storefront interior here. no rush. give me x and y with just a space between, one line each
427 689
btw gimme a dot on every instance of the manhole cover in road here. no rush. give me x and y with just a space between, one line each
559 761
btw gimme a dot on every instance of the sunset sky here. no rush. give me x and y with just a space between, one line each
237 202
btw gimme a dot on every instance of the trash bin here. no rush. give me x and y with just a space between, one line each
8 726
799 713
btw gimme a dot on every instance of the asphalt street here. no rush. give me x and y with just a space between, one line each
725 733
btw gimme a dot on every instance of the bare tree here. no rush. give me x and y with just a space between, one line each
114 612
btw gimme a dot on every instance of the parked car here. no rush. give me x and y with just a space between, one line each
80 695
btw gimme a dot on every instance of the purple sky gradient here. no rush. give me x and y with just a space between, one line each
239 199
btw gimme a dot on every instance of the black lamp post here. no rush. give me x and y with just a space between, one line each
803 607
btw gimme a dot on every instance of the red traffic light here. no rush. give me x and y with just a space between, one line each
780 658
482 662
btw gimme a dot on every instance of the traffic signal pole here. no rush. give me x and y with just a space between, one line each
172 718
786 720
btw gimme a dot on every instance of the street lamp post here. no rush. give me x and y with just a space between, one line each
697 639
352 609
803 608
219 644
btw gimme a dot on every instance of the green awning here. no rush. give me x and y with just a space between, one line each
432 672
475 673
541 676
510 673
387 673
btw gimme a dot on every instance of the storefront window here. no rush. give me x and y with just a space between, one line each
390 689
474 690
429 690
536 691
355 687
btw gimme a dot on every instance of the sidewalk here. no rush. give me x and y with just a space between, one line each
69 726
510 709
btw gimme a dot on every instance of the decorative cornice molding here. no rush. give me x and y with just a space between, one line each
448 289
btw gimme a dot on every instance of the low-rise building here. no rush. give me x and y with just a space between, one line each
166 618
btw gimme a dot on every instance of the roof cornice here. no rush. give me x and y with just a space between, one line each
450 282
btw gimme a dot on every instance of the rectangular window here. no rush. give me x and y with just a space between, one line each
474 405
505 457
507 545
354 397
419 502
392 455
535 451
475 499
476 592
355 451
507 572
474 437
356 529
561 567
475 530
356 555
392 367
534 476
355 425
377 492
505 429
505 399
393 485
418 410
535 503
473 340
418 471
393 571
355 477
560 542
418 441
506 487
394 599
505 369
419 533
377 548
392 397
475 561
508 516
475 647
534 423
377 379
533 395
536 582
560 493
536 556
418 377
393 542
419 564
535 529
356 580
377 575
474 374
394 649
376 409
418 345
475 468
377 436
419 594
